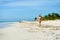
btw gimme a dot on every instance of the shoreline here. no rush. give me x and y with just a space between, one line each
29 31
45 24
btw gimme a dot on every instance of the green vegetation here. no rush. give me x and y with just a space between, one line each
51 16
35 18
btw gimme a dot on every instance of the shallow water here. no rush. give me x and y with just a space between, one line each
5 24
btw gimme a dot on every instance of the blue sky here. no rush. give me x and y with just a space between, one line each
26 9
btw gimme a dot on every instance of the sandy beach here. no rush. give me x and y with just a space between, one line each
50 30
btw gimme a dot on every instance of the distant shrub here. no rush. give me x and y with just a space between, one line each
51 16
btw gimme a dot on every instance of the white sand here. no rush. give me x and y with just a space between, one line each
52 23
30 31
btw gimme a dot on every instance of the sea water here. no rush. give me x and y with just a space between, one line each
5 24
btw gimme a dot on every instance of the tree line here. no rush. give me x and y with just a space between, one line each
50 16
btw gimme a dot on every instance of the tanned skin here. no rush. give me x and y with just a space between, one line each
39 20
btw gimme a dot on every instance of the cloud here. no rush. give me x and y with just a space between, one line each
24 3
16 3
37 4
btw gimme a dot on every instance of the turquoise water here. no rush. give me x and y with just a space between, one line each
5 24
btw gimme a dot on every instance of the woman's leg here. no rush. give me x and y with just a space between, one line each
40 24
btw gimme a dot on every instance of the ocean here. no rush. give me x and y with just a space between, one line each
5 24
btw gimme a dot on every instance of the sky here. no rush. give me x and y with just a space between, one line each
15 10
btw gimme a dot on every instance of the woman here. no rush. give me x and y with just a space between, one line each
39 20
